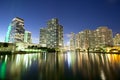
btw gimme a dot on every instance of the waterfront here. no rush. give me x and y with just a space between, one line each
59 66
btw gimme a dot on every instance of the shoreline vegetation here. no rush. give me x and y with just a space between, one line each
30 50
52 51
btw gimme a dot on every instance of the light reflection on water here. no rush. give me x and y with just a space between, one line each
59 66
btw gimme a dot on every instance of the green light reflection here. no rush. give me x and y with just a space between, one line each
3 70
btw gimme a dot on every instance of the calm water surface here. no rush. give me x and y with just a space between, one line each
59 66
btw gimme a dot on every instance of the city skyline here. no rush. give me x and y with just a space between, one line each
74 15
101 37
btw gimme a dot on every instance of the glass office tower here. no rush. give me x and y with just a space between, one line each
15 31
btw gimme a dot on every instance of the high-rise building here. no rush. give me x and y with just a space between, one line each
72 41
116 40
81 40
43 37
27 37
77 41
85 39
15 31
52 35
104 36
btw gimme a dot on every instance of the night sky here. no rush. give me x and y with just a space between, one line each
74 15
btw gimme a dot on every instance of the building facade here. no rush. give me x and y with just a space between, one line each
43 37
88 39
85 39
15 31
104 36
72 41
27 37
116 40
52 35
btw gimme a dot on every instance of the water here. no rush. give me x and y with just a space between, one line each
59 66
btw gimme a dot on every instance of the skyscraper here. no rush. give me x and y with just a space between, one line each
72 41
52 35
87 39
116 40
104 36
84 39
27 37
15 31
43 37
